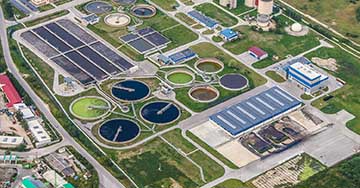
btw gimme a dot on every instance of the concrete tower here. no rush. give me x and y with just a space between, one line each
229 3
265 7
250 3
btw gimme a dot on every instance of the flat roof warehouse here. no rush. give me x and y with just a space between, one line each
255 111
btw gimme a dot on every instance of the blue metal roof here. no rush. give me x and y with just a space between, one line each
20 7
228 33
182 55
255 110
203 19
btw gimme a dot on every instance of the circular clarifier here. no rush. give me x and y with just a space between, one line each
160 112
234 82
180 77
143 11
119 130
130 90
204 94
89 107
209 66
117 20
98 7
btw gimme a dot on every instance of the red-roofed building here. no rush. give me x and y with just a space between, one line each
258 53
8 88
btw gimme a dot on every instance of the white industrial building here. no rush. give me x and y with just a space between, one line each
41 136
54 179
11 141
309 79
25 110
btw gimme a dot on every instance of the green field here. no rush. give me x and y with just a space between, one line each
216 13
345 174
156 164
280 45
185 18
232 183
339 14
347 97
168 5
82 108
275 76
180 78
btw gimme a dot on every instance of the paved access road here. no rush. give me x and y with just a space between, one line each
106 179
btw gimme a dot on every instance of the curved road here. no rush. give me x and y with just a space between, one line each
106 179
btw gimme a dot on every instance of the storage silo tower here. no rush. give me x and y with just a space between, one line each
250 3
265 7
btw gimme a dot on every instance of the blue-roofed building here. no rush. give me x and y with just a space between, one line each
163 59
255 111
91 19
183 55
229 35
202 19
309 79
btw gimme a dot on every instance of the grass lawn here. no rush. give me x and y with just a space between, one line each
60 2
232 183
46 18
46 72
168 5
275 44
187 2
275 76
185 18
180 78
311 167
156 164
83 107
306 96
211 169
345 174
339 14
178 141
46 7
216 13
240 8
347 97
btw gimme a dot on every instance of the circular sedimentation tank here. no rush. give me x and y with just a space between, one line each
160 112
234 82
89 107
98 7
119 130
209 66
130 90
124 2
143 11
180 77
204 94
117 20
